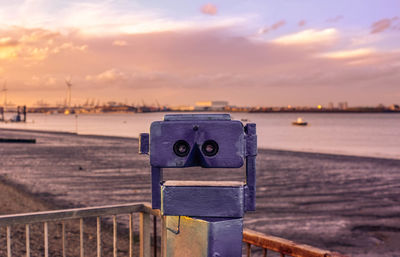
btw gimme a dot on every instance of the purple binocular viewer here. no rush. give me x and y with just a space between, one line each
207 141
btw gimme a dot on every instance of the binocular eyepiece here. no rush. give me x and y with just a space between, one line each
181 148
209 148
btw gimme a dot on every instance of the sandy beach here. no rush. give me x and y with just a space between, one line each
340 203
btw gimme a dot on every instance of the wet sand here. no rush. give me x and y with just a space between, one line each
341 203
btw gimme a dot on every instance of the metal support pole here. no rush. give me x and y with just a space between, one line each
81 237
156 178
64 246
163 236
115 236
46 239
130 235
98 237
27 239
8 241
145 250
155 236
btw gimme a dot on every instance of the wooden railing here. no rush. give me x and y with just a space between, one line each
265 242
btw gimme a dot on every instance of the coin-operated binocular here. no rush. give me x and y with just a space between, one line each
202 218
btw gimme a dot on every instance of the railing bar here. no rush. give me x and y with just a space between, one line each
69 214
248 250
144 225
64 247
98 237
264 252
155 235
130 235
81 237
115 235
46 239
276 244
8 241
27 238
163 236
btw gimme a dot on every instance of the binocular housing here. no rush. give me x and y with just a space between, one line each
205 140
200 141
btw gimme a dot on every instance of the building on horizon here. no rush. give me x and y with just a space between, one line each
394 107
343 105
211 105
182 108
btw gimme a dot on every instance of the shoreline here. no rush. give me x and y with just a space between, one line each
208 111
137 139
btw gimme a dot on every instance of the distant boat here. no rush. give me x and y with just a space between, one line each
300 122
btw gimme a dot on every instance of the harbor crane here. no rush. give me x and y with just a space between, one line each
69 85
4 90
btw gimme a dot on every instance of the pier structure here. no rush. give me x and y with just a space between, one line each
1 114
19 117
21 111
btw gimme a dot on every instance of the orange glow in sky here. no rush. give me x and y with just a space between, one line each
248 53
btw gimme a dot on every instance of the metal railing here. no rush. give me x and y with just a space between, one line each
143 209
282 246
265 242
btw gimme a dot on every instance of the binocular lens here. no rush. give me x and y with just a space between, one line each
181 148
210 148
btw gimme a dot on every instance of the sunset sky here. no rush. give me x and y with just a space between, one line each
270 53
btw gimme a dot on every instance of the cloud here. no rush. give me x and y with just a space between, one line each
8 48
133 78
42 82
309 36
335 19
108 76
8 52
302 23
209 9
51 81
382 25
69 46
120 43
345 54
8 41
107 17
36 35
274 26
34 44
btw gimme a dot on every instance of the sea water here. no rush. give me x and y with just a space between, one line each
363 134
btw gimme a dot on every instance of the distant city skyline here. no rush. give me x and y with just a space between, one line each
250 53
93 102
